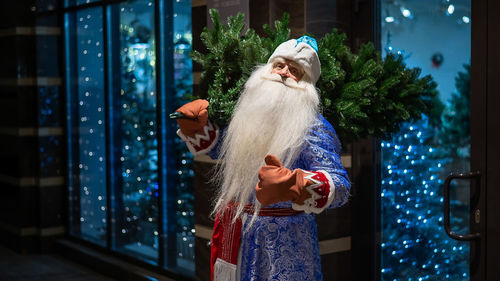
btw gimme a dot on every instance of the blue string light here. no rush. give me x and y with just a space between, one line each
412 210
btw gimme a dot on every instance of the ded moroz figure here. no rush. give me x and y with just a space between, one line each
279 164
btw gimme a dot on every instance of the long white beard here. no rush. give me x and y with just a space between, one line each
271 116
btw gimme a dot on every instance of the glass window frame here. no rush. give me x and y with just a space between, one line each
164 48
72 89
442 154
366 154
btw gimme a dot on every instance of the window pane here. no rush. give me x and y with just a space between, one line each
134 129
86 129
69 3
183 79
434 36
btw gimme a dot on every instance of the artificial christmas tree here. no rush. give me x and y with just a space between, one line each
361 94
414 243
454 135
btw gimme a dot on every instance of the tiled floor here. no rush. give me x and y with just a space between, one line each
14 267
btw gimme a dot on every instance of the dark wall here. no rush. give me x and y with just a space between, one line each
31 132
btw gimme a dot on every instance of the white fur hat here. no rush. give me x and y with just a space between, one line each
303 51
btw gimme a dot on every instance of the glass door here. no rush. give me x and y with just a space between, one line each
434 36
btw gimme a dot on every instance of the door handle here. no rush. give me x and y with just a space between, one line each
446 207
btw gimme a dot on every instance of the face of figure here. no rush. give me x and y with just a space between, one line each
287 69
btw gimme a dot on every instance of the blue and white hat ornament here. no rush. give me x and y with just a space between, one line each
303 51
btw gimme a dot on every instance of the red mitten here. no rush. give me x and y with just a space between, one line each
196 117
277 183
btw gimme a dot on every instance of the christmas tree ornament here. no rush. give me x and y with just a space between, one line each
437 60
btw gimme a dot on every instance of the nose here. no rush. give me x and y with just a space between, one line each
284 72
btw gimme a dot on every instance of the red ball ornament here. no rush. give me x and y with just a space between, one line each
436 60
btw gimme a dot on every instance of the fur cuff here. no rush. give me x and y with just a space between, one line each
322 193
224 271
201 143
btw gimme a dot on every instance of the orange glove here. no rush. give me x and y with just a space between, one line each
196 117
277 183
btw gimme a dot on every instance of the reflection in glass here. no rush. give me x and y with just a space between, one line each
48 106
134 130
47 51
434 36
69 3
113 139
46 5
50 152
183 79
86 129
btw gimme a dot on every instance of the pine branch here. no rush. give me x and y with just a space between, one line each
362 94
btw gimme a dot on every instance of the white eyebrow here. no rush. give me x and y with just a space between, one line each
291 62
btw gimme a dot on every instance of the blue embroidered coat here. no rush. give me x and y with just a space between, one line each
286 248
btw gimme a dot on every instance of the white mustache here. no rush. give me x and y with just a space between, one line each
289 82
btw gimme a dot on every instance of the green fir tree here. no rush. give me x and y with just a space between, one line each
455 130
231 56
364 95
361 94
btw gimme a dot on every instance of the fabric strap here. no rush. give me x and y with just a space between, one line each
226 239
272 212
